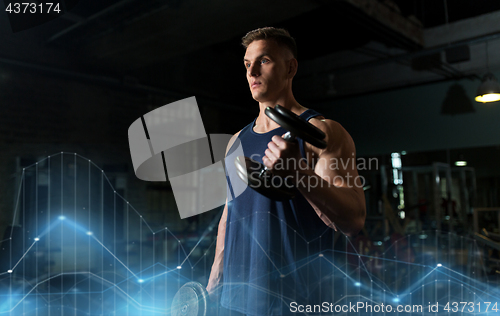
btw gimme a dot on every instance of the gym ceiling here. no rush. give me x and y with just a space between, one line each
186 47
168 50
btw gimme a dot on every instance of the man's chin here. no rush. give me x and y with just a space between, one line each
258 97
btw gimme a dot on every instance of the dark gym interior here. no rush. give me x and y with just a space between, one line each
401 76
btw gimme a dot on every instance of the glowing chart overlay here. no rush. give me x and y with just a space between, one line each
77 247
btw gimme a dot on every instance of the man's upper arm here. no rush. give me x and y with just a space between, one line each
337 162
229 145
231 141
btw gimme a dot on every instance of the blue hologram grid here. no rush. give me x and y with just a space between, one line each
76 246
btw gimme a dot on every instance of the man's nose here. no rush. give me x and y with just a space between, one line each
254 70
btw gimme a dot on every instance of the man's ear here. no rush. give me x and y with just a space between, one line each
292 68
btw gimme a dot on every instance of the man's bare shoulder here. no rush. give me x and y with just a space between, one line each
336 134
232 140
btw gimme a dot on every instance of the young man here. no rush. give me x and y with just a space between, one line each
266 250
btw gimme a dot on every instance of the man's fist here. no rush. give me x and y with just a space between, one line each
282 158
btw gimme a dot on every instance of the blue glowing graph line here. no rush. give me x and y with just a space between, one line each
197 243
266 254
343 298
458 281
112 254
48 229
133 300
90 163
114 285
80 228
24 255
345 252
306 263
210 246
142 306
344 273
143 282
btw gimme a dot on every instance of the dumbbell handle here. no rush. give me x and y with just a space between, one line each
289 137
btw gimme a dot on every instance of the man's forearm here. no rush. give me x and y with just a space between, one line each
217 267
215 275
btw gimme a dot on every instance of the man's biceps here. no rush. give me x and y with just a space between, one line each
337 176
327 174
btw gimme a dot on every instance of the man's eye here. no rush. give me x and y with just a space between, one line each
263 61
247 65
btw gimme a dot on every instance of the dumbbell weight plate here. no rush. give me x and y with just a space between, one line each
297 126
190 300
268 185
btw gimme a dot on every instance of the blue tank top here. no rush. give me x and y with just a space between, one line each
270 246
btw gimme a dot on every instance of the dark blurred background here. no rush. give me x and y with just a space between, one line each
399 75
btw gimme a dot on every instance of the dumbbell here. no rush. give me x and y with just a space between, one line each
192 300
255 174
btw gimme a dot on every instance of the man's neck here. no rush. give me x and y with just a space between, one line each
265 124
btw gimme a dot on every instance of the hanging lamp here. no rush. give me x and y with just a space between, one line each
489 89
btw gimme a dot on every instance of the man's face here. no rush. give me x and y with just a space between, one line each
267 70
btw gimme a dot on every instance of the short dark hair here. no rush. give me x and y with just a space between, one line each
281 36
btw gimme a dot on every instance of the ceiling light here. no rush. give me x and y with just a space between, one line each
461 162
489 90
